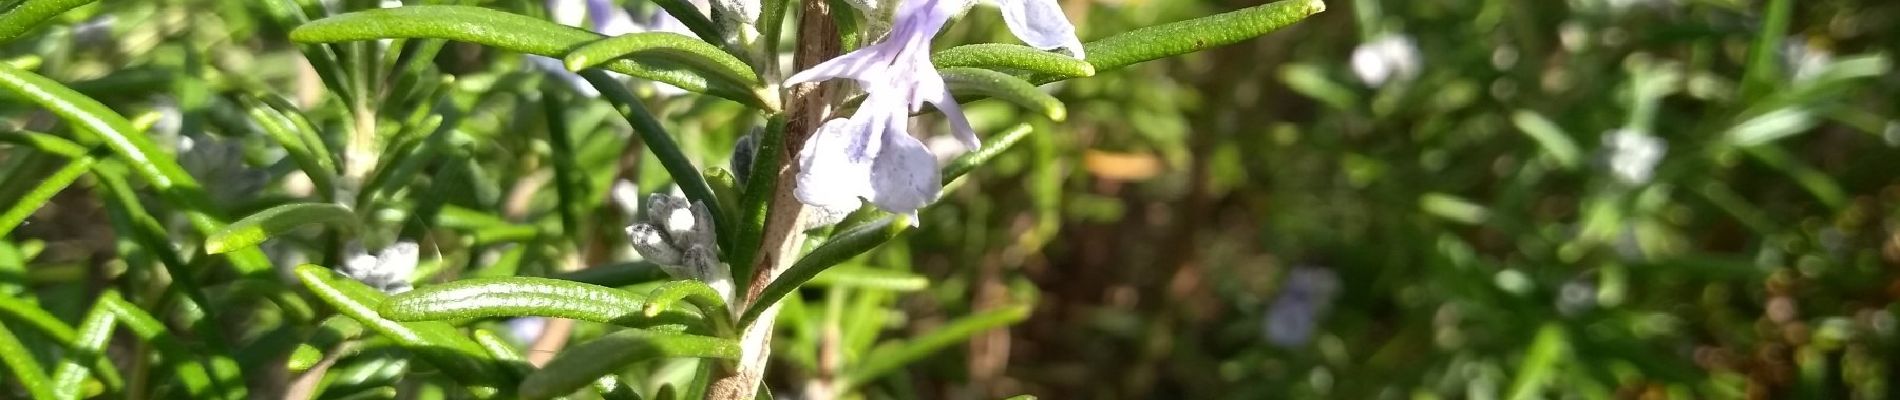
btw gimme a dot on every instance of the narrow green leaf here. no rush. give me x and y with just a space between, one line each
195 376
157 168
26 370
1764 64
46 324
1772 126
1453 208
87 347
885 359
609 386
1550 137
331 332
582 364
321 57
436 342
1540 362
1818 183
525 296
882 279
1177 38
840 248
1311 80
665 47
45 143
499 349
996 146
37 318
568 177
24 206
725 187
761 183
1003 86
771 25
711 305
1013 57
24 15
88 115
512 32
311 158
661 144
258 227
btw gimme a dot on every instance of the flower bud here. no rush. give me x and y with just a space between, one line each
652 244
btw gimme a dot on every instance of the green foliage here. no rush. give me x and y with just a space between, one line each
1588 199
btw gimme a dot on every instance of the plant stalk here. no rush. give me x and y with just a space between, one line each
807 106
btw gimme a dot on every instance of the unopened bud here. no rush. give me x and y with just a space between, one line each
652 245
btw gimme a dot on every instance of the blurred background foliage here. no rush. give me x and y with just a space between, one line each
1392 199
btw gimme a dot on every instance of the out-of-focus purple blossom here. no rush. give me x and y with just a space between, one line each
611 20
1389 58
1802 60
872 155
525 330
1305 295
1576 296
1633 155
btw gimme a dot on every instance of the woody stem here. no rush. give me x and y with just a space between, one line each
806 107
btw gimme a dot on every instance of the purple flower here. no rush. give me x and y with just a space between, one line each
1296 312
609 19
1040 24
871 155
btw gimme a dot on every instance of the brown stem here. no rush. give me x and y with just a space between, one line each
806 108
305 385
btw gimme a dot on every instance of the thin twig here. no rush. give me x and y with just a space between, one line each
305 385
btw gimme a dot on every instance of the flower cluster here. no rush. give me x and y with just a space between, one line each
872 155
1390 58
679 237
1632 155
388 270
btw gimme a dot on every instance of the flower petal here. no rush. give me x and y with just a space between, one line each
959 123
835 165
1040 23
905 176
862 65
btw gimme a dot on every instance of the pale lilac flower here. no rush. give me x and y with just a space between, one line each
609 19
1305 296
872 155
388 270
525 330
1633 155
1040 24
1389 58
